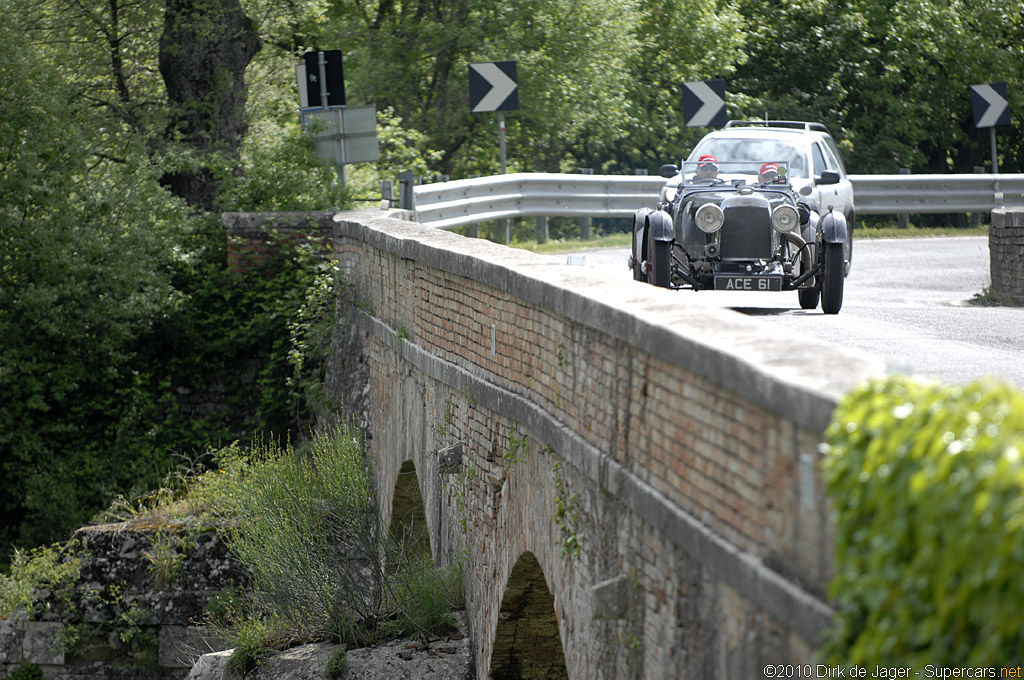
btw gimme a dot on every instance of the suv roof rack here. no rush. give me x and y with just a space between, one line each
803 125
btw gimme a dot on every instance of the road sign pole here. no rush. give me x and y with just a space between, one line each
339 146
995 159
322 61
501 138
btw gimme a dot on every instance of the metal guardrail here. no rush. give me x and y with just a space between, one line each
446 205
893 194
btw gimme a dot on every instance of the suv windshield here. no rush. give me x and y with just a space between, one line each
755 150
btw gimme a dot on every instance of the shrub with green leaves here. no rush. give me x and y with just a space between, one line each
31 571
322 563
928 485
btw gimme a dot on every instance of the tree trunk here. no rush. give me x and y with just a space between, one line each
204 50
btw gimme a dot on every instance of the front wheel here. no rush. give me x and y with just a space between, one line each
662 263
832 278
808 296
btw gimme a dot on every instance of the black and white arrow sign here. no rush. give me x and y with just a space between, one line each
704 103
991 105
493 86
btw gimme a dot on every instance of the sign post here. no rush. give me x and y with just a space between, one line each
342 134
494 86
991 106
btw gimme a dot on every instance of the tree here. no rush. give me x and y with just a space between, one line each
204 50
79 234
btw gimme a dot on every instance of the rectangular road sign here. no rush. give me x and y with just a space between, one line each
493 86
344 135
308 76
990 103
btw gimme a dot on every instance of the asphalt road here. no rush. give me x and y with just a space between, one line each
906 300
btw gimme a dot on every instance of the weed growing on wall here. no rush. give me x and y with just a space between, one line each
928 485
566 517
321 561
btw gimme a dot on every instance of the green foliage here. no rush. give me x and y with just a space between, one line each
27 671
322 565
338 664
166 554
567 517
927 484
48 567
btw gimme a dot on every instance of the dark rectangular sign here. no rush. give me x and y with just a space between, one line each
334 74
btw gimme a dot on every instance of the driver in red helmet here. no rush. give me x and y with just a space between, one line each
707 167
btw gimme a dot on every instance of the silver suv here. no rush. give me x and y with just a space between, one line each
816 168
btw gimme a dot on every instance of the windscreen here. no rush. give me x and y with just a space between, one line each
755 151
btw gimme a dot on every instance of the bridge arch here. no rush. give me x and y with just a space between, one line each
527 643
408 523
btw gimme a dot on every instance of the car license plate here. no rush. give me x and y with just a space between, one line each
748 283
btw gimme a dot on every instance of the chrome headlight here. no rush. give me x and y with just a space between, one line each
785 218
709 218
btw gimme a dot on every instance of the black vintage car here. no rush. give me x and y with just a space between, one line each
740 226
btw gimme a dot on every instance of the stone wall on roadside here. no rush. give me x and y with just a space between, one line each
1006 255
135 611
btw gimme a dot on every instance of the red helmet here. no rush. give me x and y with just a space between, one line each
706 160
770 167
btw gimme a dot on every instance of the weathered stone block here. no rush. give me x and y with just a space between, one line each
12 634
181 646
610 599
42 644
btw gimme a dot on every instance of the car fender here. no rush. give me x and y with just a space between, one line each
833 227
660 225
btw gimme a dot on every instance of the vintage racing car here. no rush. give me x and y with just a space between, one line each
741 226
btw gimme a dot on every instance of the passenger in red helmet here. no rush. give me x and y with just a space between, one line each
769 173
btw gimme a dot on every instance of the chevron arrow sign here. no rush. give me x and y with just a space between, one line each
991 105
704 103
493 86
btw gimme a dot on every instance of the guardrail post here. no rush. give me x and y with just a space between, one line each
976 216
387 194
542 229
904 218
406 201
473 230
503 231
586 222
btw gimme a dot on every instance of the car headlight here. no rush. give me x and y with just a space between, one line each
785 218
709 218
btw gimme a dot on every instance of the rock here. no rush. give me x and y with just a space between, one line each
447 659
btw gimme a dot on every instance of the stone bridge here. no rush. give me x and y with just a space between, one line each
630 478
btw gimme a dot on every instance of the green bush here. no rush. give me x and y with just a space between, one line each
322 564
47 567
927 484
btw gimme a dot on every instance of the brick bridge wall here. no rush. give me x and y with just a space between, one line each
676 444
1006 254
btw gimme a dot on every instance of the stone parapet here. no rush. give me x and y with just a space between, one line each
1006 253
677 445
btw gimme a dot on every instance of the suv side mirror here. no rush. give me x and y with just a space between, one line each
828 177
670 170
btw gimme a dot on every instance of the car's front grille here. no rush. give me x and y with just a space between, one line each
747 231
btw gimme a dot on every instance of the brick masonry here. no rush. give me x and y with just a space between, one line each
1006 254
685 440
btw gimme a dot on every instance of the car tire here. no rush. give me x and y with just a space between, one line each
832 278
808 296
662 262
